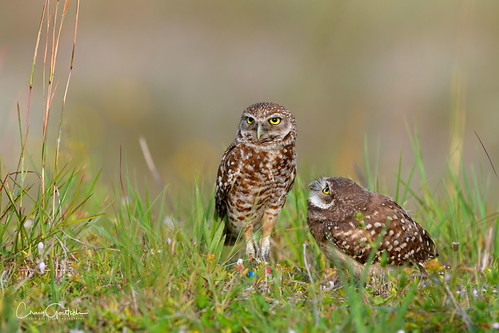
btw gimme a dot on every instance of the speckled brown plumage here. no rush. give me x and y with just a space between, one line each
347 221
255 174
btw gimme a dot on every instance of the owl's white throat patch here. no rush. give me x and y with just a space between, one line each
317 202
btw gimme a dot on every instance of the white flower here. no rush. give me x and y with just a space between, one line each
41 265
28 223
400 331
495 325
169 221
239 262
329 286
169 240
40 248
125 201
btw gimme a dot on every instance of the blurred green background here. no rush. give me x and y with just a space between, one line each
180 73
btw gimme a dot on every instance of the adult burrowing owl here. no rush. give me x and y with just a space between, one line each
255 175
347 222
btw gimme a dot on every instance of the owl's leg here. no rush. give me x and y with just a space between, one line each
268 221
248 238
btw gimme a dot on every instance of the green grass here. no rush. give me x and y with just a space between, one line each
125 260
148 270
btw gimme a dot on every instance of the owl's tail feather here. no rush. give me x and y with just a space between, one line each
220 216
433 251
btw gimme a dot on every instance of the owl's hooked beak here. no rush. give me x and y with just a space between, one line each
259 131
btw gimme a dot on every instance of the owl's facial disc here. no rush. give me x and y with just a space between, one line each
264 130
321 195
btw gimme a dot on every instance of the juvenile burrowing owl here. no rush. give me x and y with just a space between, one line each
255 175
348 221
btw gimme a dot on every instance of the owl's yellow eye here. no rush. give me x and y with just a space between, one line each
326 190
250 120
275 121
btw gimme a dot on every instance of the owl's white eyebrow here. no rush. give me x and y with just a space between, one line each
319 184
276 115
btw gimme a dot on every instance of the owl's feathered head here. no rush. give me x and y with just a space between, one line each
326 192
320 194
267 124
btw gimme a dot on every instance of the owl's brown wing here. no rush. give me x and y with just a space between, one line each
349 237
292 178
403 239
227 174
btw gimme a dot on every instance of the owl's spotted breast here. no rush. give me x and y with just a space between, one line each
260 184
